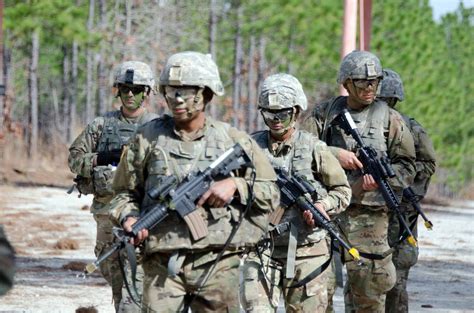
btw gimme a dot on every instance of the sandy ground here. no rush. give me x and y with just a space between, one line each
54 238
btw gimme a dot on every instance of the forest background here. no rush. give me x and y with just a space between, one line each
59 57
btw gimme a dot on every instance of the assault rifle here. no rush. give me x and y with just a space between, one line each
379 167
410 196
181 198
296 190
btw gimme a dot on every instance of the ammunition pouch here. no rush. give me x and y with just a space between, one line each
102 177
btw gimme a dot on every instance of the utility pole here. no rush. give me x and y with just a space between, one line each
349 34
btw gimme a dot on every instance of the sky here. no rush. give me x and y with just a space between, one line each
441 7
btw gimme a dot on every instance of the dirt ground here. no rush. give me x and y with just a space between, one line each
53 234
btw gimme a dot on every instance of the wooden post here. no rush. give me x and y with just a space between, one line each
349 32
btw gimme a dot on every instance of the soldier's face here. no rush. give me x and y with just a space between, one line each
183 102
362 91
132 96
279 121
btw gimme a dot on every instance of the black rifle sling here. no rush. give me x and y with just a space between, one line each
132 262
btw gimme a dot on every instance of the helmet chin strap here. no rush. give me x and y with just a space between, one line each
197 99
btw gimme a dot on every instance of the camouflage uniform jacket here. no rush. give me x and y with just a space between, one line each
7 263
380 127
159 150
425 156
87 145
305 155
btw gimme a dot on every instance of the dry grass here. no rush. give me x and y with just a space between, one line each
74 266
37 243
48 226
66 244
90 309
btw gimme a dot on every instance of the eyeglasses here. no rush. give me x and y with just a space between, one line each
365 83
124 89
281 115
184 93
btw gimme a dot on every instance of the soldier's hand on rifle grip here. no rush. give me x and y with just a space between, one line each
369 183
219 194
349 160
308 216
142 234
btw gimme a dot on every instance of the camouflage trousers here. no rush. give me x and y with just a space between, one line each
367 285
404 257
165 294
261 292
110 268
332 286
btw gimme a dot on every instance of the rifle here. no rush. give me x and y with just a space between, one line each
181 198
411 197
380 169
295 190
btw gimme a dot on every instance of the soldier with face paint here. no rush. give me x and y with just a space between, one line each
181 272
303 248
405 256
95 153
365 221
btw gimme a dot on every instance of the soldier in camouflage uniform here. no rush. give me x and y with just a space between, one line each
95 153
365 221
405 255
174 263
7 263
303 248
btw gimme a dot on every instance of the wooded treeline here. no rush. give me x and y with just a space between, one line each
59 56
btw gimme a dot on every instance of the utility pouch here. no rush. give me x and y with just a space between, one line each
84 184
103 177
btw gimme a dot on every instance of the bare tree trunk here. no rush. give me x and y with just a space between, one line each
90 86
73 102
33 75
101 61
237 79
66 96
291 48
262 67
212 40
2 81
252 88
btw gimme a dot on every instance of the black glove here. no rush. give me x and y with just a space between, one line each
109 157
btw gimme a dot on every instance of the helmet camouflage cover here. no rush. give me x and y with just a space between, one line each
191 69
134 73
359 65
392 85
282 91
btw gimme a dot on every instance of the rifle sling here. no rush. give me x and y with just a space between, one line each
132 261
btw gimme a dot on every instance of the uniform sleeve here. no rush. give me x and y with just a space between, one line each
267 195
314 122
129 180
425 154
401 151
328 170
83 149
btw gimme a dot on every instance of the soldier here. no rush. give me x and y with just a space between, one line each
405 255
365 221
303 248
95 153
175 264
7 263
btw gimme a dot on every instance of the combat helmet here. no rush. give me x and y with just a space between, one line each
191 69
134 73
359 65
392 85
282 91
